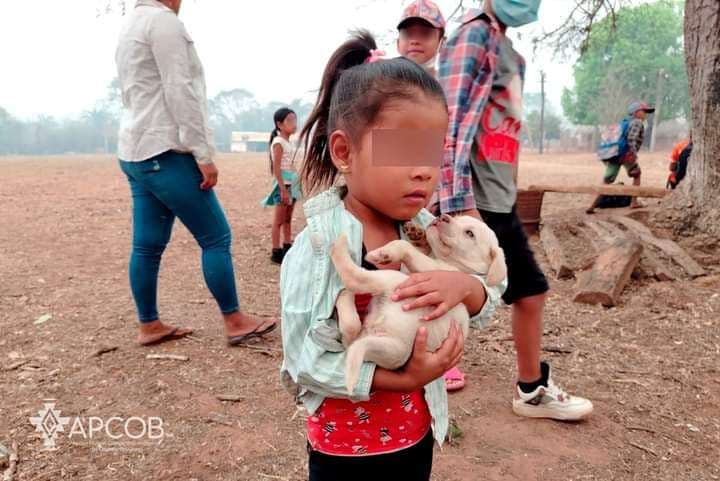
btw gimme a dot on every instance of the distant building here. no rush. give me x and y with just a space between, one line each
249 142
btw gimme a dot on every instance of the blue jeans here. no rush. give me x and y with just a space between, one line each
164 187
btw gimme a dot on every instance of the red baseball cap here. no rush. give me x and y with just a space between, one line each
426 10
637 106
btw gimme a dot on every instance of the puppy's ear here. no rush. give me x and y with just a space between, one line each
498 270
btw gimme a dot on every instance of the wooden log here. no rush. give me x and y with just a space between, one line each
650 261
669 247
631 190
555 253
611 272
601 236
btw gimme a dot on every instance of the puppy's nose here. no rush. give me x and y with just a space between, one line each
445 218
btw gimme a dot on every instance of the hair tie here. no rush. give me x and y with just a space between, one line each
375 55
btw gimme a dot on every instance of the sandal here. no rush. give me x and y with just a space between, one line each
454 380
244 338
174 334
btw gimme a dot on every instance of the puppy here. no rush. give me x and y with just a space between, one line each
387 336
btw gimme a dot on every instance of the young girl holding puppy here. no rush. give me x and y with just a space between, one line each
385 428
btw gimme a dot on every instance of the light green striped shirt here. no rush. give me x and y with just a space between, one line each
313 365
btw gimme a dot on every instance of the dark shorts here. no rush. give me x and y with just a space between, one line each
525 278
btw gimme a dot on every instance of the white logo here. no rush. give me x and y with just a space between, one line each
113 430
49 422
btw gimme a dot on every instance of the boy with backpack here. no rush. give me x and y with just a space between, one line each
619 147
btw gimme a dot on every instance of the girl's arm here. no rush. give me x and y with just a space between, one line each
446 289
277 153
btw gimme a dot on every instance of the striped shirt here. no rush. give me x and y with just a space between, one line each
635 136
467 67
313 365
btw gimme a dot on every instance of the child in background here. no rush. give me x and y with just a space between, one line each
285 189
421 33
385 428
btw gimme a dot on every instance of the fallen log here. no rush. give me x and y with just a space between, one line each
650 261
605 281
555 253
631 190
669 247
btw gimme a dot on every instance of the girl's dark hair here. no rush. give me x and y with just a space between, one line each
278 117
351 96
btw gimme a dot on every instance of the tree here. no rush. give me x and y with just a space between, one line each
622 59
702 50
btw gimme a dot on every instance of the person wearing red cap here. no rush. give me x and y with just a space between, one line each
421 32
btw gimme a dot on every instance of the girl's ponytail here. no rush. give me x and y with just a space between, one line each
318 170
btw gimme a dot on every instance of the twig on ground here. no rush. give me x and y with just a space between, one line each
557 350
230 398
16 365
643 448
270 476
9 474
167 357
264 350
104 350
219 419
631 381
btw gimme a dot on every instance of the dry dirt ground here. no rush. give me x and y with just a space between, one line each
651 365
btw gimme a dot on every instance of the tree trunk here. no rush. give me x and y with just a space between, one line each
702 52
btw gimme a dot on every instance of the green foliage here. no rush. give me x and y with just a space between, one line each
531 120
624 63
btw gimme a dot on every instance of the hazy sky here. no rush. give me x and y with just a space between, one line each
58 55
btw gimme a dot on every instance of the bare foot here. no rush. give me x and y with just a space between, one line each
238 324
156 332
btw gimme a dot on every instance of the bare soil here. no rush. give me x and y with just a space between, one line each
651 366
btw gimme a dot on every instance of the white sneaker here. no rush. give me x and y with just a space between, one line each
551 402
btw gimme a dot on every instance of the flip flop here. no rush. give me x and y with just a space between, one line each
174 334
454 380
243 338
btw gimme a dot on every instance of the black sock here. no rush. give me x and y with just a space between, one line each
528 387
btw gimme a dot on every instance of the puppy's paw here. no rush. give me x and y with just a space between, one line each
417 236
381 256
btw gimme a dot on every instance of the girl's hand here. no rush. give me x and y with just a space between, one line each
424 367
284 195
440 289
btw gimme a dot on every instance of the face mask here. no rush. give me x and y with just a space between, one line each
516 13
430 64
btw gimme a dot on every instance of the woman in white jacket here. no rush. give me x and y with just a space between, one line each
166 152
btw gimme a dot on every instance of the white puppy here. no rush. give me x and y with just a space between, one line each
387 335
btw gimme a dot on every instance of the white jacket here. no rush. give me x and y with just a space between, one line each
163 87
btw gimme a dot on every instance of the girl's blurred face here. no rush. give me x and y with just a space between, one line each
393 168
289 125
